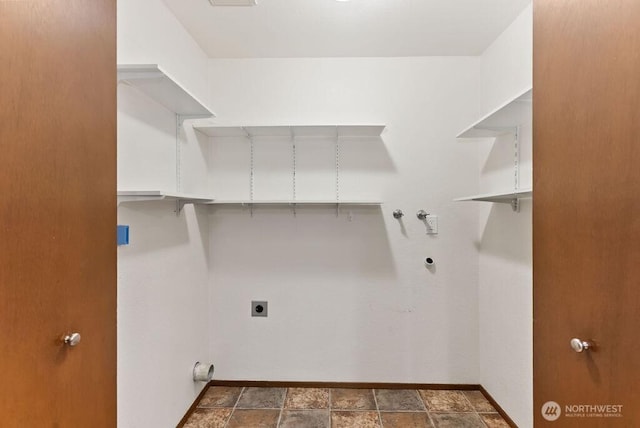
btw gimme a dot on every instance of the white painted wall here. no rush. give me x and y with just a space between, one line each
349 297
163 273
505 259
507 64
149 33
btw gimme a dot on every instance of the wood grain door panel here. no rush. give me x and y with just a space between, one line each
58 186
586 212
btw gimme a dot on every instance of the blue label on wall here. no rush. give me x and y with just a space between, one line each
123 234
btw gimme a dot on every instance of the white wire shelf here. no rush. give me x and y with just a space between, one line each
500 121
180 199
512 197
297 203
327 131
157 84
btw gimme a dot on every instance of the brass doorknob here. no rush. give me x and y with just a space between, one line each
72 339
580 345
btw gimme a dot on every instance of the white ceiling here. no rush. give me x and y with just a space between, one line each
355 28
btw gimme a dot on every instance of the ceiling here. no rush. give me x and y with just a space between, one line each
355 28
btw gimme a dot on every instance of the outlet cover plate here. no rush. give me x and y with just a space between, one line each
432 224
259 308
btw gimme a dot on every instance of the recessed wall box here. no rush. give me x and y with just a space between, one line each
259 308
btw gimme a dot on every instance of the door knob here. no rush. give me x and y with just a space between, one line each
72 339
422 215
580 345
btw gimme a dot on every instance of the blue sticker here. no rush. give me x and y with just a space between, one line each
123 234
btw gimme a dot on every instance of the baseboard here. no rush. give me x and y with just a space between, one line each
495 404
192 408
354 385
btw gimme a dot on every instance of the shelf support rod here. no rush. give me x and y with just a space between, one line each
251 176
516 158
181 202
179 120
179 206
293 150
515 203
337 172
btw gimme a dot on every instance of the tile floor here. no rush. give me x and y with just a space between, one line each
237 407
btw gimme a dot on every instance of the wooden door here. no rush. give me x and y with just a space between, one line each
58 216
586 212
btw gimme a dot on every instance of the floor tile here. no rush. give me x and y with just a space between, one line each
220 396
494 420
398 399
258 418
261 398
305 418
352 399
355 420
445 401
307 398
208 418
343 408
405 420
479 402
457 420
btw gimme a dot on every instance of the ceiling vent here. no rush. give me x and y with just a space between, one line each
233 2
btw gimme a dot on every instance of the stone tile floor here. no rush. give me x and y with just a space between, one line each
237 407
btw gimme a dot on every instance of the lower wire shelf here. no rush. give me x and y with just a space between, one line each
181 199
